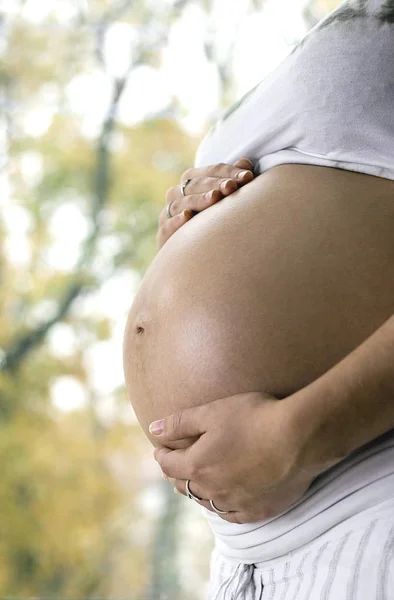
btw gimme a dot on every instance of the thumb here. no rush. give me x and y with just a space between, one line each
178 426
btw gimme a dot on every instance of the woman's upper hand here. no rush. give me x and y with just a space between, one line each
207 186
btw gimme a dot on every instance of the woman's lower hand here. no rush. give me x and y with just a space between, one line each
246 457
207 186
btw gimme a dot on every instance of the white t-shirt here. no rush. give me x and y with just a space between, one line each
329 103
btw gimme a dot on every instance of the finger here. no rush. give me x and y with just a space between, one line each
236 517
177 220
195 193
244 163
246 167
178 205
198 202
198 491
180 488
173 463
193 202
177 488
186 423
161 451
168 227
220 170
201 185
178 484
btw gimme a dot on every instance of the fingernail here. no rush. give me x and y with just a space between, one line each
224 183
242 174
157 427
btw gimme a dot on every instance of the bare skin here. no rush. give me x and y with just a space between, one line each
265 290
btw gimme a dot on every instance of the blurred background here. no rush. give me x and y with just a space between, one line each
103 105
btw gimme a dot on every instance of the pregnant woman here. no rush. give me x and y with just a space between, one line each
254 307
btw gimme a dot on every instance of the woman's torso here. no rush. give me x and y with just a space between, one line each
276 283
266 290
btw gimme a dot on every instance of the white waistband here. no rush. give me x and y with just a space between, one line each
353 487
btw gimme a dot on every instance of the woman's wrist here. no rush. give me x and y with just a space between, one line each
350 405
314 415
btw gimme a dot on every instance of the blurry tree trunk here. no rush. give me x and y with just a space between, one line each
164 581
21 347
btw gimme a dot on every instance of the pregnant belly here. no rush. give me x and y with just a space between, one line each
265 291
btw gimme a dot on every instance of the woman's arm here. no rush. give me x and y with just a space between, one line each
351 404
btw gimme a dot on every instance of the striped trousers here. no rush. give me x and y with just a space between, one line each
355 565
335 543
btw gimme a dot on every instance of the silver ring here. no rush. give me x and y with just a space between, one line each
169 215
183 185
189 493
220 512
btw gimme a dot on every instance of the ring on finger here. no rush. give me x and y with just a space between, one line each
215 508
183 185
190 495
169 215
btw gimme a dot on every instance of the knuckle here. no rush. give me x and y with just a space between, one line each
194 471
169 194
174 209
212 170
203 202
165 470
221 496
203 412
176 422
232 518
186 175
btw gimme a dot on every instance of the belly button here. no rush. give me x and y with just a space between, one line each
140 329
